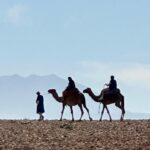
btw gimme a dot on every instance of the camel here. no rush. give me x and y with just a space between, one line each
118 99
71 100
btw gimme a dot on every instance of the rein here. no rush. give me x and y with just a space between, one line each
99 108
45 94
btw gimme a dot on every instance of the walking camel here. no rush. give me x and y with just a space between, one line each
118 99
71 100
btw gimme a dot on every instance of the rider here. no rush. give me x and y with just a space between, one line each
112 87
112 84
70 88
71 84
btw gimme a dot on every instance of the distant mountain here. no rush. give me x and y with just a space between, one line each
18 95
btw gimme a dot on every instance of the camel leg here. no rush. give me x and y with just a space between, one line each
72 113
122 109
87 111
62 112
122 115
108 113
81 112
102 113
118 105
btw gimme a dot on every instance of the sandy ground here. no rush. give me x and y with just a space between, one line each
67 135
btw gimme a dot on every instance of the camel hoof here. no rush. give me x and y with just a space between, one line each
100 120
79 120
91 119
121 119
60 119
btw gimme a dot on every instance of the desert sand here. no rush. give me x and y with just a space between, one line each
67 135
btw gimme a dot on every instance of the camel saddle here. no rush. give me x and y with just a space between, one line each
107 91
71 92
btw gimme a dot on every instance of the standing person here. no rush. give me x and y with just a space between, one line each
40 106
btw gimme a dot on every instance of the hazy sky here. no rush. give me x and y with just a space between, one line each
88 40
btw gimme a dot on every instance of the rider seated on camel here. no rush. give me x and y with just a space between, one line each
112 88
71 84
70 88
112 84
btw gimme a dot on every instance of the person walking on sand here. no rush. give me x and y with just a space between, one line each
40 106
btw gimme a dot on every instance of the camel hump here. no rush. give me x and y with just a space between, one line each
71 92
116 91
108 91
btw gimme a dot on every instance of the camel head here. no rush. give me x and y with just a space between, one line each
51 91
87 90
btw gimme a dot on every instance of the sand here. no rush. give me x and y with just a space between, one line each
67 135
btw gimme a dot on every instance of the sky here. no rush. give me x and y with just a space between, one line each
88 40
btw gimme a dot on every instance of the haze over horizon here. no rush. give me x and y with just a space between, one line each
18 96
88 40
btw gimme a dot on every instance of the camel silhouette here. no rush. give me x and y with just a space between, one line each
118 99
71 100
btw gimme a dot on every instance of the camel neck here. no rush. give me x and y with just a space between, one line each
57 98
93 96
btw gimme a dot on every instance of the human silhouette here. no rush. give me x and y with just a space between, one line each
40 105
71 84
70 89
112 84
112 88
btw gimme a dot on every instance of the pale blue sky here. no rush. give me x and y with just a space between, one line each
89 40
